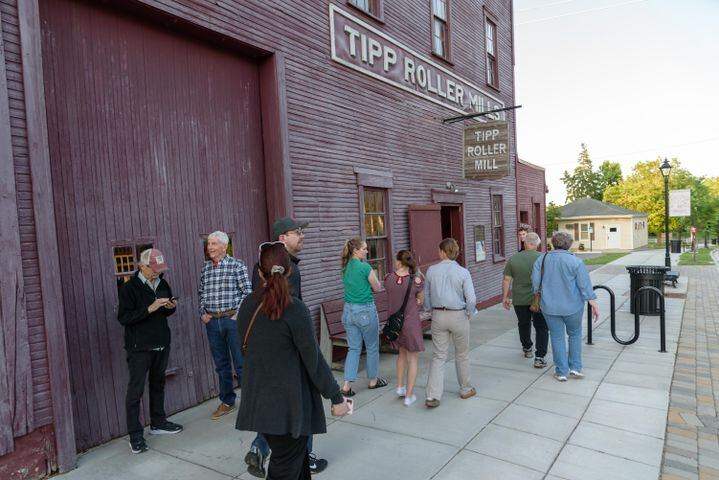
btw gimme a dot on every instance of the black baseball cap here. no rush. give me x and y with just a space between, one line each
285 224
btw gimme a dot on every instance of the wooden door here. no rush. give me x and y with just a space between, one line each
425 233
154 140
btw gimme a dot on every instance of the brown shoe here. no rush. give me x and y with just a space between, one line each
431 403
470 393
223 409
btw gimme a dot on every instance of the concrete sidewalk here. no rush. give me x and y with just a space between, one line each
522 424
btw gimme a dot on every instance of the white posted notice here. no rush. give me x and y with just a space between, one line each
680 203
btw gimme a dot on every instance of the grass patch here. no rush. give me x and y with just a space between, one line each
703 257
604 259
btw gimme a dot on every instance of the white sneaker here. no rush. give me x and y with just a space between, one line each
401 391
560 378
410 400
576 374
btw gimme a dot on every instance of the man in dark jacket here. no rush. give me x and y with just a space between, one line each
289 231
145 303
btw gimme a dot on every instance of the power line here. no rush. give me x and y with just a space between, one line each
579 12
546 5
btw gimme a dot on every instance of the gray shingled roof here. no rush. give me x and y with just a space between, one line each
585 207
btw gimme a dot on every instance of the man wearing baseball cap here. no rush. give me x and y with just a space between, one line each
289 231
145 303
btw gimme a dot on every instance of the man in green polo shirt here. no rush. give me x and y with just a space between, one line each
518 275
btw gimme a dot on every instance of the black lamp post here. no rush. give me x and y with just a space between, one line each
665 168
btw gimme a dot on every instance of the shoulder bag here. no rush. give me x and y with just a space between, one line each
243 348
537 298
394 324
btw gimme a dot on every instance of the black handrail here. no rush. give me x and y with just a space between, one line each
662 315
589 313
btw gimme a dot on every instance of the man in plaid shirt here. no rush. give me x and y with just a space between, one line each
224 283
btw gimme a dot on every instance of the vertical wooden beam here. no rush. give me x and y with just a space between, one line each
30 40
275 138
11 311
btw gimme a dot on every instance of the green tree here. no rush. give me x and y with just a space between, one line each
583 181
610 174
553 212
643 191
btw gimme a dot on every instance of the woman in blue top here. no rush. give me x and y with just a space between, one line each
565 286
359 316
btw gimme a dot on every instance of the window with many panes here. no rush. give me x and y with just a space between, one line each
490 32
440 28
125 259
371 7
497 227
376 230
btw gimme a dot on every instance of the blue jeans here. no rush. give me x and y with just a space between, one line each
261 443
361 322
225 348
572 324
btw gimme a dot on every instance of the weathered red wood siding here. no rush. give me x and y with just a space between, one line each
531 188
154 138
26 385
337 119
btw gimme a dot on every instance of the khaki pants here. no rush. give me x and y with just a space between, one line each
448 324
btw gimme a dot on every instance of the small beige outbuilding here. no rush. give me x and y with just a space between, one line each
602 226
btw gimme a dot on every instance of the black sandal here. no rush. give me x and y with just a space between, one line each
349 393
381 382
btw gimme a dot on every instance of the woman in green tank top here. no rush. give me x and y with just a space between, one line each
359 316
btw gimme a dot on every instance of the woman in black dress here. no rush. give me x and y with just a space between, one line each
284 372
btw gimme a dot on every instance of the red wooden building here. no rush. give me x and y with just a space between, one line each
129 123
531 195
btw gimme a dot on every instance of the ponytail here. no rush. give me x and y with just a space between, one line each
349 248
276 269
406 258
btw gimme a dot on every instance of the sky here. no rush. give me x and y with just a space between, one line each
632 79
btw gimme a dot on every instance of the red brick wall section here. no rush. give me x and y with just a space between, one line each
531 189
33 458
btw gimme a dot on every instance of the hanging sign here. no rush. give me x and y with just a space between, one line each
680 203
486 150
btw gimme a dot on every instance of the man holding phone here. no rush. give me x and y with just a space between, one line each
146 301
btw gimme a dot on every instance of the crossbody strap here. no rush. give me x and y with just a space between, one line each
406 295
541 275
249 328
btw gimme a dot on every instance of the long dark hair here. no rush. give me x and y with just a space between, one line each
406 258
276 267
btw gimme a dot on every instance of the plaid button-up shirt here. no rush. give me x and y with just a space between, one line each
223 286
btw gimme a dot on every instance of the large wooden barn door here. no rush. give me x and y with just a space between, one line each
154 140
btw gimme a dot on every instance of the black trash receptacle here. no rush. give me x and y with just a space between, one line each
646 276
675 246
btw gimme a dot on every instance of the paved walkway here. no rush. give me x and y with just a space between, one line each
522 424
692 444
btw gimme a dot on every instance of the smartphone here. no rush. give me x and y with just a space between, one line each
173 299
350 402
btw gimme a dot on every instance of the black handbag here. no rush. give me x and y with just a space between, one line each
394 324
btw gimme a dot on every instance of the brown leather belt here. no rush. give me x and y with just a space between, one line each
228 313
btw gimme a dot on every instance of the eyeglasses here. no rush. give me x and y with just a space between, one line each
297 231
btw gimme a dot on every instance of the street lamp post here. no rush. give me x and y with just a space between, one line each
665 168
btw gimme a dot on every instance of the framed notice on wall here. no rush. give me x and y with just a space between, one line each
479 251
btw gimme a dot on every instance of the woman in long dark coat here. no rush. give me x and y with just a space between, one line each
284 373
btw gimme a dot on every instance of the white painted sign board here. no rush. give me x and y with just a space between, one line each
680 203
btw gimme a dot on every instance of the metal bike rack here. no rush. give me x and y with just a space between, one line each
612 303
662 316
613 317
